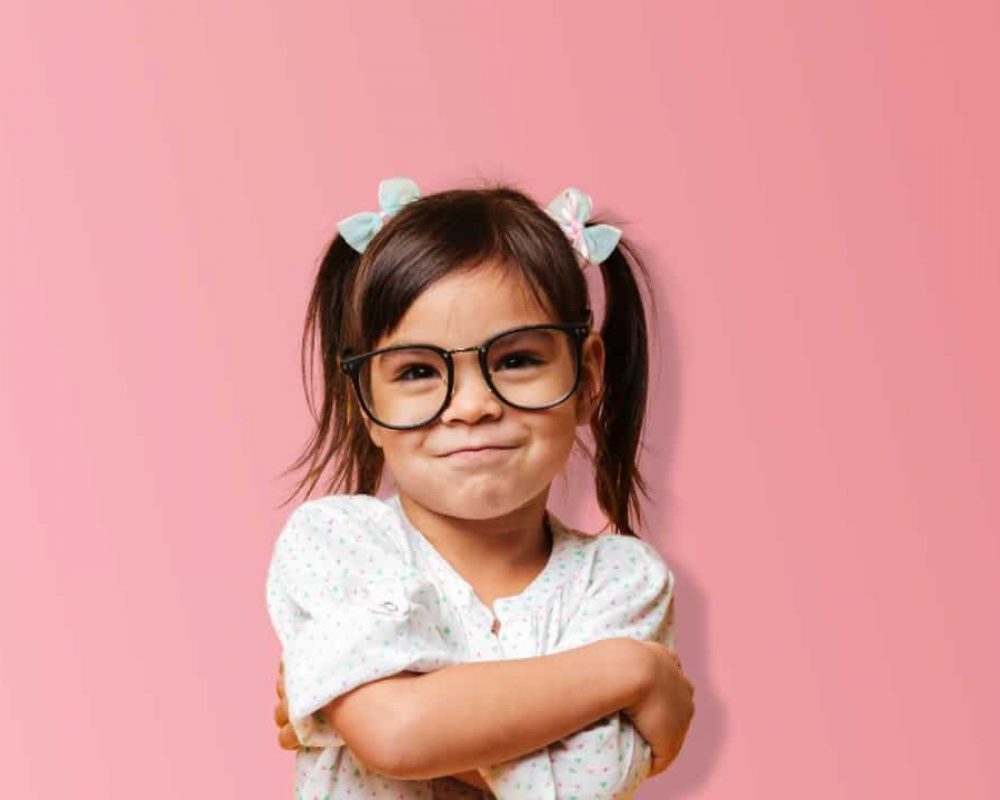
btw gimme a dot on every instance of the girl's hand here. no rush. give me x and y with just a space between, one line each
287 738
473 778
663 712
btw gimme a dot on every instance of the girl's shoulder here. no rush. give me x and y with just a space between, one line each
354 520
609 554
346 507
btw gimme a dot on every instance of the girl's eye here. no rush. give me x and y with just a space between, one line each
517 360
416 372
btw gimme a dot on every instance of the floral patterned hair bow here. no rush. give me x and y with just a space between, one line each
393 193
594 243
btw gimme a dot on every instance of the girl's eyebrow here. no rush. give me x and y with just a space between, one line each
501 329
408 343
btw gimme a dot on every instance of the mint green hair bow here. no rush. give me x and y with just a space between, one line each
393 193
571 209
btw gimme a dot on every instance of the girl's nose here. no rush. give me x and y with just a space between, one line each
471 398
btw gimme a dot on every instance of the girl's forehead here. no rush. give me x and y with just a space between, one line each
468 307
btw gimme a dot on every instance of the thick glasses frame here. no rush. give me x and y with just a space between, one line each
352 364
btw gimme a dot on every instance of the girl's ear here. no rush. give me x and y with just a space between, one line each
374 432
591 377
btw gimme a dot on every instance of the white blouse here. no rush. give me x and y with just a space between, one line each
356 593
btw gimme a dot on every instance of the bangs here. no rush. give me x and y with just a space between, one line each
457 231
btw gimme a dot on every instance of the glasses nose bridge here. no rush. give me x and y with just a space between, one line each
480 351
468 349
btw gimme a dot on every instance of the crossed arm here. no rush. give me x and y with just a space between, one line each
462 717
450 722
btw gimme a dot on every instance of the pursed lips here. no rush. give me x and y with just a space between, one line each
478 448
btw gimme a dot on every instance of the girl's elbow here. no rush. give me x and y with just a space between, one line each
380 750
376 728
401 755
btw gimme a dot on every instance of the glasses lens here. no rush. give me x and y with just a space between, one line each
403 387
533 368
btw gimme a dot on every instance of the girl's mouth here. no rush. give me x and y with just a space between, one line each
478 455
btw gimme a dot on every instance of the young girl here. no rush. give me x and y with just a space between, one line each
456 639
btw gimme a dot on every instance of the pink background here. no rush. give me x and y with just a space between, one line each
816 186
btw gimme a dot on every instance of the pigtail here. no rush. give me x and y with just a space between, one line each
339 432
617 423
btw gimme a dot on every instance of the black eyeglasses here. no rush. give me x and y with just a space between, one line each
406 386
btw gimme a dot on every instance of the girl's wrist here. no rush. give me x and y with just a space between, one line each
639 666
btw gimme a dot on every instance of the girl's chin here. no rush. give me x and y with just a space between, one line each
469 499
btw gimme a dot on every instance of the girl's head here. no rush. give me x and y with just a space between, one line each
452 270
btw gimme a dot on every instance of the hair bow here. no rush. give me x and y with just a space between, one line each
393 193
571 209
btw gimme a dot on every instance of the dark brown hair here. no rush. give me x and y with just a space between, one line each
359 298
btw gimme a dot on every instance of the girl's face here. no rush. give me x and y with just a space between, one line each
525 450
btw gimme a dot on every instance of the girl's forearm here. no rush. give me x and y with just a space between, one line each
476 714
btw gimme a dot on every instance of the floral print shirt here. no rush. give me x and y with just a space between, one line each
355 593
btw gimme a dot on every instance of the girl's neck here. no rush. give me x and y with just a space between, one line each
498 556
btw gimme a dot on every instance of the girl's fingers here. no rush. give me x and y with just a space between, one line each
280 714
287 738
660 763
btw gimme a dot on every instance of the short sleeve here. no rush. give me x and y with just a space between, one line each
629 592
347 611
